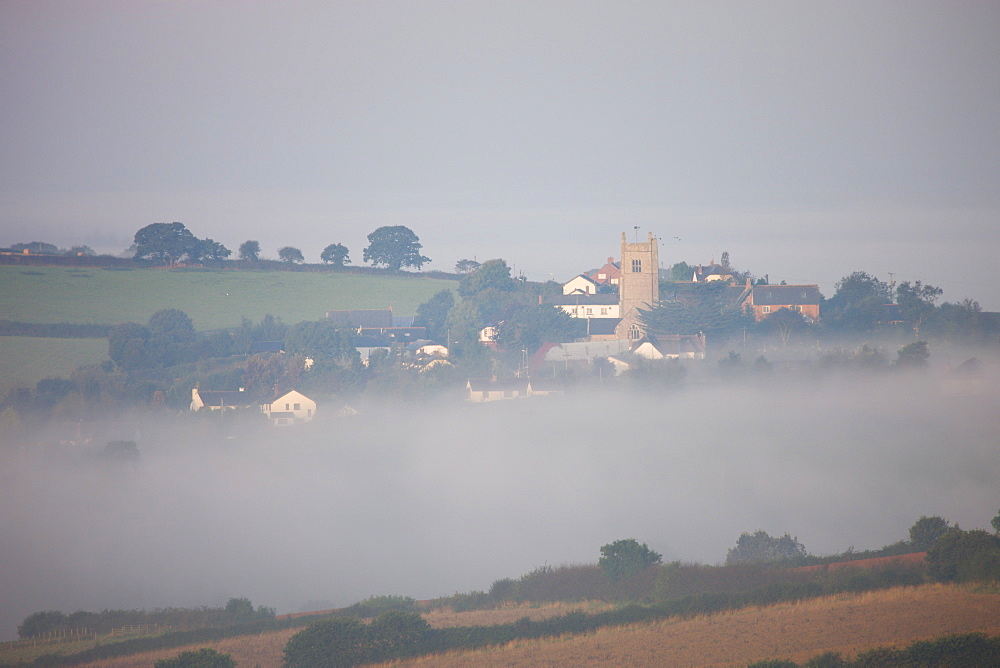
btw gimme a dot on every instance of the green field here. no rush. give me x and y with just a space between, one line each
26 360
213 298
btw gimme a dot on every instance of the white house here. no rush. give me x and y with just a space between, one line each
290 408
580 285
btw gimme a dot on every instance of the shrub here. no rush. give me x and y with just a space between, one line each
203 658
961 556
341 641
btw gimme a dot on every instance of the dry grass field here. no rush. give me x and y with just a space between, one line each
847 623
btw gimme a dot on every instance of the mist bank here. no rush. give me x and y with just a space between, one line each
426 500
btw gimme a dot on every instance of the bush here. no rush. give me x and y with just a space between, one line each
961 556
626 558
341 641
203 658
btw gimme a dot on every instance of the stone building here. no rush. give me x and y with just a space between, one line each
638 286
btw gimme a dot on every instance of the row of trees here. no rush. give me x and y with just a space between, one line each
392 247
860 305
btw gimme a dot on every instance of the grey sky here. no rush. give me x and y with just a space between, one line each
807 139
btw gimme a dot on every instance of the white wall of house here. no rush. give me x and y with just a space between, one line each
299 405
580 284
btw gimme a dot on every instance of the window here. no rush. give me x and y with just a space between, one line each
298 407
766 309
590 311
634 333
286 407
636 266
797 309
601 277
604 310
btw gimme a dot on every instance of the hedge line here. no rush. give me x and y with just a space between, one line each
962 649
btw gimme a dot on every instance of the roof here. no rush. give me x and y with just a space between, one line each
395 334
361 318
586 350
602 326
267 347
486 384
420 343
781 295
583 300
231 398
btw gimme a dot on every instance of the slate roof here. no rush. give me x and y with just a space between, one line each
361 318
267 347
395 334
583 300
231 398
602 326
782 295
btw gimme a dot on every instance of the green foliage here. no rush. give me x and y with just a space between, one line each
465 266
250 251
202 658
433 314
963 556
290 254
394 247
995 522
913 355
35 247
626 558
964 649
926 531
341 641
681 271
376 605
165 242
42 622
321 340
335 254
759 547
490 275
784 323
857 304
701 307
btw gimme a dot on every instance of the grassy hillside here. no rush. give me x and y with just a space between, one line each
848 623
26 360
214 298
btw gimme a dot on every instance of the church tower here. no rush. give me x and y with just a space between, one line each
639 285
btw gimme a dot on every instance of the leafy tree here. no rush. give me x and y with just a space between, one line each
328 643
625 558
761 547
37 247
926 530
127 346
290 254
913 355
784 322
857 303
530 326
492 274
38 623
335 254
250 251
995 522
916 303
321 339
81 251
165 242
397 629
433 314
681 272
394 247
705 307
962 556
171 337
209 250
202 658
465 266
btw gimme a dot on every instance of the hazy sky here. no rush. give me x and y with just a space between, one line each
807 139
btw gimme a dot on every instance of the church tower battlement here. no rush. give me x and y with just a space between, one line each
639 285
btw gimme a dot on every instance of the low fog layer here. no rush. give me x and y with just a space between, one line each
428 500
